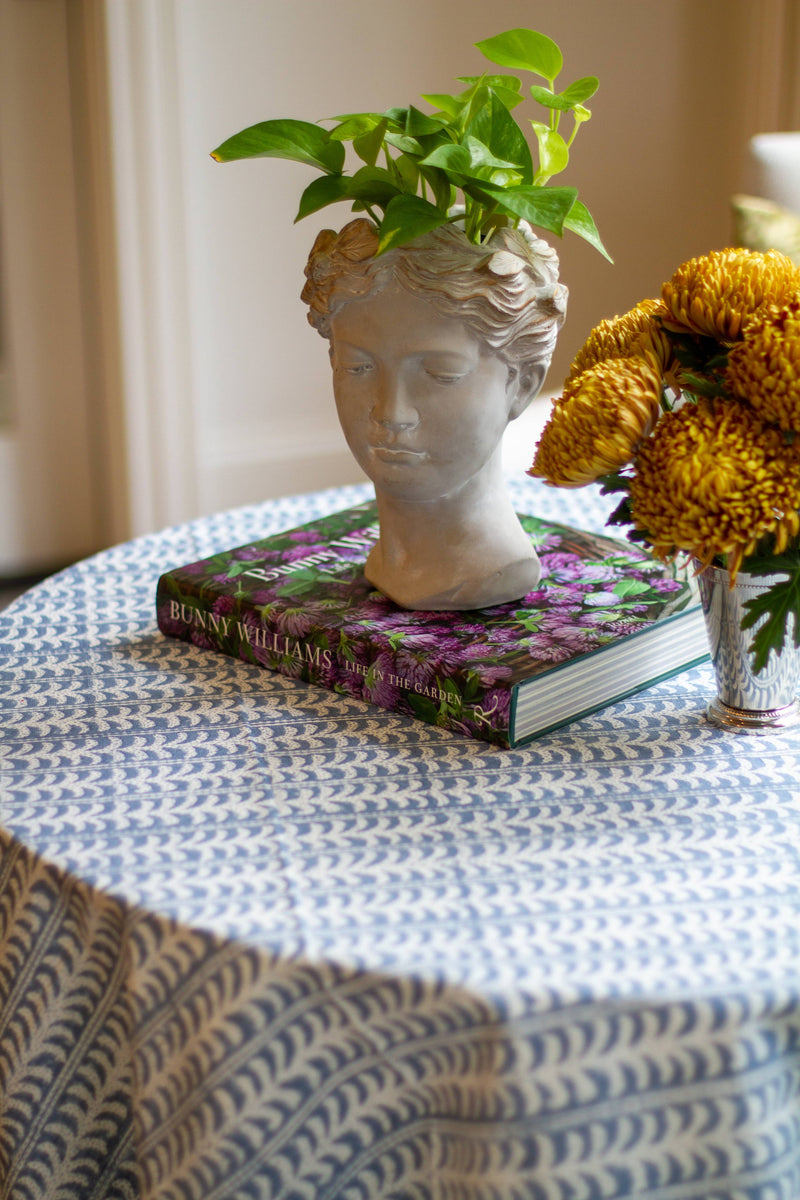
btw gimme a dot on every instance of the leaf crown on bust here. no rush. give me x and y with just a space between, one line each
468 160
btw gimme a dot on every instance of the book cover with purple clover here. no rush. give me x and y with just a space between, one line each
605 620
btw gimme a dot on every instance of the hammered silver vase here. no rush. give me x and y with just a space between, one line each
747 702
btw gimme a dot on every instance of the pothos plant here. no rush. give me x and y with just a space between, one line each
468 160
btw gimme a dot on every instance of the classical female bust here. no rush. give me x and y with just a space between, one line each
435 347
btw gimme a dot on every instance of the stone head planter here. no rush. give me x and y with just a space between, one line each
442 308
435 347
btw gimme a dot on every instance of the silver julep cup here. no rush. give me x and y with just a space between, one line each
746 702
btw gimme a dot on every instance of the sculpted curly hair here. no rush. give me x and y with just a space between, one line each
506 289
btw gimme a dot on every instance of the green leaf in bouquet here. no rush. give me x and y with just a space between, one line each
298 141
774 607
615 482
703 385
526 50
718 361
579 220
408 217
692 349
622 514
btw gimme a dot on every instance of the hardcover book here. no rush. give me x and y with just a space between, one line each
605 621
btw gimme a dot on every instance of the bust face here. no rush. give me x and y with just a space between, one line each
422 404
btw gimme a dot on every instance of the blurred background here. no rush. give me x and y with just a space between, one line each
155 359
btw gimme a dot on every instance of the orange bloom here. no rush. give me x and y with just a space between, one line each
597 425
715 294
713 479
764 367
620 337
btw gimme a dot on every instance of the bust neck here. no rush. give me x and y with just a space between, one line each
427 553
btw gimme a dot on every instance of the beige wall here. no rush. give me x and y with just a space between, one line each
221 393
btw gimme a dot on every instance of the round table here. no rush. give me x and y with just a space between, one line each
261 940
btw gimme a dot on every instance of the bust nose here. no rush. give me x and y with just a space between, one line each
393 402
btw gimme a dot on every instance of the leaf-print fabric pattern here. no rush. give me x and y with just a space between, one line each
258 940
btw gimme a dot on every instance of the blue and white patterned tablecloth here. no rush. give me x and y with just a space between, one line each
258 940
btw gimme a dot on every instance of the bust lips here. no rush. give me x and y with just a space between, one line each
396 454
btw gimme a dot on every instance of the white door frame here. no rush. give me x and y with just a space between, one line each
156 358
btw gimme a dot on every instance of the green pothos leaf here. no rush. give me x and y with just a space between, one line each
550 99
553 150
406 218
356 125
509 82
432 162
545 207
526 50
450 105
368 145
580 221
493 125
581 89
327 189
297 140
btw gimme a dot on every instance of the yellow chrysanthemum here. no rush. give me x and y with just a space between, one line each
715 294
764 368
619 337
596 426
713 479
